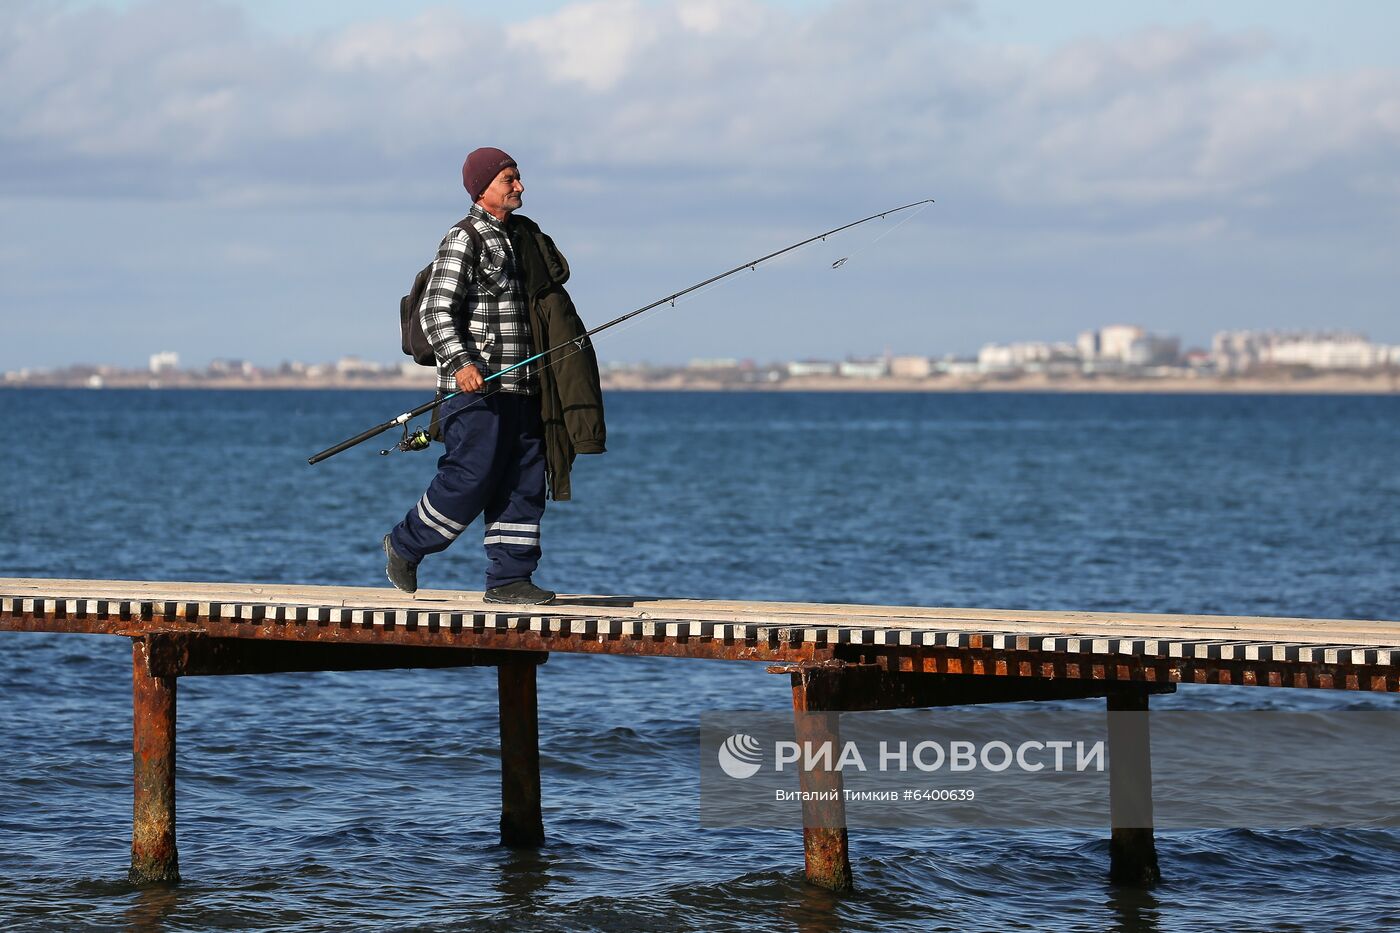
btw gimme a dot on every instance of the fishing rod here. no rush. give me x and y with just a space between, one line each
419 439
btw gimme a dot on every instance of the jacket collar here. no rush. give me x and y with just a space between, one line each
481 213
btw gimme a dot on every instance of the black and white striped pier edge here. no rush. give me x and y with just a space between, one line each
548 623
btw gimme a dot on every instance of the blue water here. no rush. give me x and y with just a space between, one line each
370 800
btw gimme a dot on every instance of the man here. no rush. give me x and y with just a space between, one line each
476 313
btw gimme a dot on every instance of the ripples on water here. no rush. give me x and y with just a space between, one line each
370 800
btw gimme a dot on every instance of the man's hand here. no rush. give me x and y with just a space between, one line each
468 379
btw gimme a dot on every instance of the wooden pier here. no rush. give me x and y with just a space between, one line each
839 657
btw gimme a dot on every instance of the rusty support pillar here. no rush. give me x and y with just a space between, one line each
522 825
153 854
824 836
1132 848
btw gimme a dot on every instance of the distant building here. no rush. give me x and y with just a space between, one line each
1198 361
619 366
1127 344
354 366
231 368
1088 345
1012 357
953 366
1350 352
718 363
997 358
911 367
811 368
1241 351
864 369
1116 340
165 362
1153 350
1234 351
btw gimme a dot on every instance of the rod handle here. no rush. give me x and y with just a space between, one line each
375 431
346 445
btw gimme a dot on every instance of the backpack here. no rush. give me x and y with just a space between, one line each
415 342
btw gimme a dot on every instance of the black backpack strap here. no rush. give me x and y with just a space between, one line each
473 234
413 341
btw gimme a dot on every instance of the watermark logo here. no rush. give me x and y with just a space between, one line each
740 756
1032 768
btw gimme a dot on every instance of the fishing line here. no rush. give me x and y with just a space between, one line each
795 253
845 259
416 440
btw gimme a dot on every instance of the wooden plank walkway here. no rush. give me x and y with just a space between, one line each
1354 654
839 658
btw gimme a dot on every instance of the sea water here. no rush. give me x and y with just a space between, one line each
370 800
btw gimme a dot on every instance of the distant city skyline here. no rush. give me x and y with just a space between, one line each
1106 341
1114 352
253 180
1114 341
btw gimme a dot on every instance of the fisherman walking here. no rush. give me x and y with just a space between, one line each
494 300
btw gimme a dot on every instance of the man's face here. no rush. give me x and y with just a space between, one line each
503 194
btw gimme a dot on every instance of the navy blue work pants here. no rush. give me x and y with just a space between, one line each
494 464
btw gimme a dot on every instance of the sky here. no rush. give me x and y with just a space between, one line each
261 180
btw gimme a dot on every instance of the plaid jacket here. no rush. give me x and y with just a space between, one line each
474 311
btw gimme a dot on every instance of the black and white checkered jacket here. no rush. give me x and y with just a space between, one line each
474 310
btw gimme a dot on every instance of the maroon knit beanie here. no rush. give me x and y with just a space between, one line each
481 168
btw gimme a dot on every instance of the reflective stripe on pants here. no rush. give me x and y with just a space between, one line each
494 464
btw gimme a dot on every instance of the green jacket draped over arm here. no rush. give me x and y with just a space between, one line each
571 396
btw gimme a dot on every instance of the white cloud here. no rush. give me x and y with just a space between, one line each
185 98
594 44
289 183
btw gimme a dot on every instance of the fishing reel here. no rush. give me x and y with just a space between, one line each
417 439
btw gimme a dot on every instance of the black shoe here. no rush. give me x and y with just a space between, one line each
521 592
399 571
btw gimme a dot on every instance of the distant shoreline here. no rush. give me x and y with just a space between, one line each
1316 385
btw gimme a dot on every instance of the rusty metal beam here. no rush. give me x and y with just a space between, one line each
981 662
1132 848
825 840
190 655
153 854
861 686
522 824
